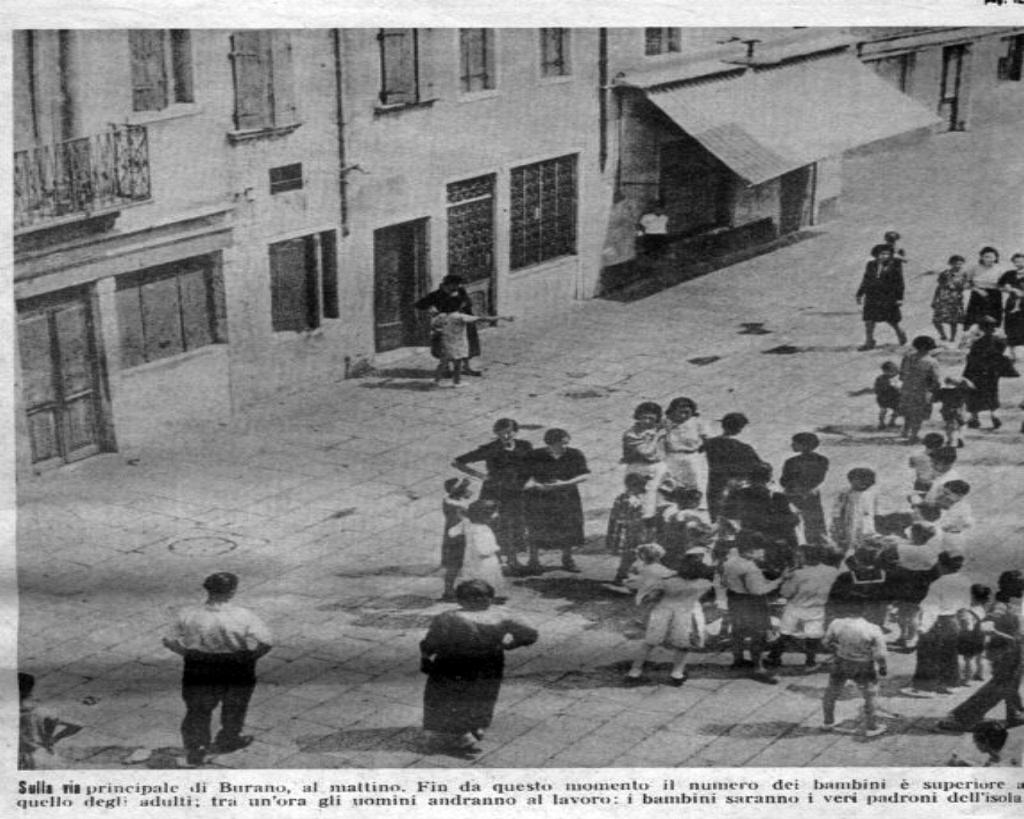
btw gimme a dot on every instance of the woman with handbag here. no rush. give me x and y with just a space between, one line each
987 362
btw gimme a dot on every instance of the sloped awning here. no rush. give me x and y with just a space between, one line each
771 120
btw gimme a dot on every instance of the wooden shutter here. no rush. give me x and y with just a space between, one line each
283 81
181 64
250 56
329 273
149 74
398 66
288 285
487 36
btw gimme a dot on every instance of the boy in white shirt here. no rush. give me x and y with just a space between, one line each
803 619
860 655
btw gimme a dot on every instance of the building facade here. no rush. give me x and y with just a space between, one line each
204 218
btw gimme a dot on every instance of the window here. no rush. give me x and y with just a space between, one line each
264 92
1011 66
660 40
286 178
543 211
476 49
471 228
554 52
304 281
898 70
161 68
168 310
399 66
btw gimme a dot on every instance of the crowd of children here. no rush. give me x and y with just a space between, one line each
766 563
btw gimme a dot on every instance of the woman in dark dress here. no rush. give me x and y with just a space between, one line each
986 364
1012 283
554 511
451 297
463 656
506 459
881 294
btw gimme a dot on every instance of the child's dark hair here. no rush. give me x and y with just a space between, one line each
956 257
650 552
481 511
945 455
891 236
692 567
750 541
981 593
877 250
733 422
686 497
862 474
26 682
961 488
889 367
989 249
933 440
635 482
679 403
647 408
807 441
555 436
760 472
474 591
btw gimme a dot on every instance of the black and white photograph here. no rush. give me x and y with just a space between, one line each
518 397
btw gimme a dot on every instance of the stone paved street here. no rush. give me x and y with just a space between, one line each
327 504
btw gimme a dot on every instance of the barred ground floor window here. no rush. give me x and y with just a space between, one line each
543 211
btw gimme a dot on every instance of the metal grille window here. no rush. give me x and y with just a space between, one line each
471 228
399 66
476 59
161 68
554 52
543 199
660 40
168 310
304 281
264 90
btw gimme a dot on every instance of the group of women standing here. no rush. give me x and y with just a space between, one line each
537 492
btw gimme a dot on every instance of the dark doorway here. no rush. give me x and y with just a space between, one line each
399 279
694 187
953 65
796 199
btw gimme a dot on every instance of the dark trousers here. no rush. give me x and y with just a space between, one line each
1002 686
937 661
212 680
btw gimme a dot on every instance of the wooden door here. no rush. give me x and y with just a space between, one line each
60 381
399 274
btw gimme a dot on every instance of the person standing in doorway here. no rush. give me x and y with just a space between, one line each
881 294
652 231
220 643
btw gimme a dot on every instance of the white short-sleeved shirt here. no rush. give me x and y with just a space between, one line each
219 628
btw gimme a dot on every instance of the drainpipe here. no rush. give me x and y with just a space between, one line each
602 82
340 114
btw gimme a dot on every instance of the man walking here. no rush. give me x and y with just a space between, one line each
221 643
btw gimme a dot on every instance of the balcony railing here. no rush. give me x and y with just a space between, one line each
80 176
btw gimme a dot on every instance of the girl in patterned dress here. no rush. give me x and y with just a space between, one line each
627 527
948 301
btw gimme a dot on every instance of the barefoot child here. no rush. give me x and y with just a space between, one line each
480 557
887 394
454 505
952 398
860 655
676 621
803 620
454 342
626 524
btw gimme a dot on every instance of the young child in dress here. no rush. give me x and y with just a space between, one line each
922 463
855 509
627 527
803 619
887 394
948 301
860 655
453 507
971 639
643 451
952 399
38 729
682 525
676 621
454 342
480 557
802 475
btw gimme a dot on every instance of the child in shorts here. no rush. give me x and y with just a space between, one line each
952 399
860 655
887 394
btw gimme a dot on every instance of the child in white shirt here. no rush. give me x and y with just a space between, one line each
854 512
480 558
